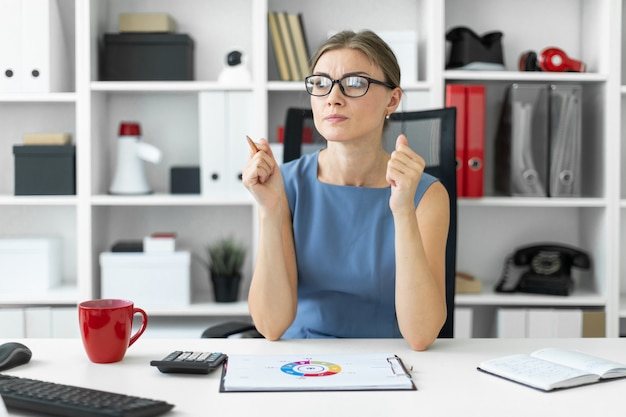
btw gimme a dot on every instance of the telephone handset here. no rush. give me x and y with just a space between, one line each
547 269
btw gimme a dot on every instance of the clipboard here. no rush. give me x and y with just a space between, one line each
318 372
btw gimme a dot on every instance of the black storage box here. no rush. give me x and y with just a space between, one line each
147 57
45 169
185 180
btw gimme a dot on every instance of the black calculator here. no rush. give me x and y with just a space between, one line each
188 362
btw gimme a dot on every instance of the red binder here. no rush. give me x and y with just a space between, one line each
475 140
455 97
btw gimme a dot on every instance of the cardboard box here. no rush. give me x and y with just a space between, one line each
159 280
146 22
147 57
30 264
45 169
47 139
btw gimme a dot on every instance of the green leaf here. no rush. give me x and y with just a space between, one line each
226 257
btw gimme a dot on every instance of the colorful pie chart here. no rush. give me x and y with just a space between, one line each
311 368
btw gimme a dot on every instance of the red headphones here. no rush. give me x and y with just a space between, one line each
551 60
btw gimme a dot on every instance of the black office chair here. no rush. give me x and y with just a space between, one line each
431 133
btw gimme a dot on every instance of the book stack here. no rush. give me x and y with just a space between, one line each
290 46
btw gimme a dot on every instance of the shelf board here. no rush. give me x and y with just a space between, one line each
531 202
579 298
38 200
209 309
166 86
59 296
38 97
513 76
170 200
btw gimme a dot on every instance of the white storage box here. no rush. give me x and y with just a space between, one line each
148 279
30 264
404 45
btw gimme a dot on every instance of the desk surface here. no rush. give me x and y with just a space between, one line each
446 377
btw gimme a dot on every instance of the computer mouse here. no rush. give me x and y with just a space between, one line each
13 354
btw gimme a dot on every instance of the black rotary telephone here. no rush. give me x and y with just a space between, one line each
547 269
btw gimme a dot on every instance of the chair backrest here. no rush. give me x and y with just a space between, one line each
432 134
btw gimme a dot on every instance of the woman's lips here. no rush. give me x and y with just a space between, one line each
335 118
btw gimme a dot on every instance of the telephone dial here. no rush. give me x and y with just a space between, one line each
546 269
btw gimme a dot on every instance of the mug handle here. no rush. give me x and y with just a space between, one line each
144 324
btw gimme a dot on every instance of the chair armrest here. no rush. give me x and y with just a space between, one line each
223 330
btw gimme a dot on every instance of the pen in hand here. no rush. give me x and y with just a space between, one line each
252 144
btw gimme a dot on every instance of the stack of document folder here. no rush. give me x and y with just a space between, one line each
539 141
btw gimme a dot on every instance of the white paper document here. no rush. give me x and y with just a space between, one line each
319 372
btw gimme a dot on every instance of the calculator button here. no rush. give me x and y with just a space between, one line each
172 356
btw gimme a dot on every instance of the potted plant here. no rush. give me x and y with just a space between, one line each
226 258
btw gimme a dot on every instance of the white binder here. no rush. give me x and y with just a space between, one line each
212 111
38 321
239 111
32 41
511 323
10 60
224 124
12 323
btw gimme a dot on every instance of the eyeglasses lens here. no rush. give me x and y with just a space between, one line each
351 86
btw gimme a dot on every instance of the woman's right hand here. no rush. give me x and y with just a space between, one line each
262 177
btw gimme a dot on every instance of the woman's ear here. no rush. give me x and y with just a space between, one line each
394 100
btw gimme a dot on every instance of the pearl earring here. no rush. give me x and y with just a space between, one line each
387 117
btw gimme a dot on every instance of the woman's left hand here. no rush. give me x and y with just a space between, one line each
404 170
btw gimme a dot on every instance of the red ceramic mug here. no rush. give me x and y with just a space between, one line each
106 327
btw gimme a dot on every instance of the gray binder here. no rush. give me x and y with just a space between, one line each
522 152
565 140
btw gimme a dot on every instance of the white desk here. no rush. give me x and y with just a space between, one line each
446 377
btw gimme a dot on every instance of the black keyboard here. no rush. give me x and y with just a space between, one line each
71 401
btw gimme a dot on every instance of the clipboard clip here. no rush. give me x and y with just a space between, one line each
397 366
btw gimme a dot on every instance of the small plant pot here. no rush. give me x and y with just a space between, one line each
226 287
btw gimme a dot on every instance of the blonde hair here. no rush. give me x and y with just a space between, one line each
370 44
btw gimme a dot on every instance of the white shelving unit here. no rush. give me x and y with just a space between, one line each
489 227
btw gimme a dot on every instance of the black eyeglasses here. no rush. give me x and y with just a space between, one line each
351 85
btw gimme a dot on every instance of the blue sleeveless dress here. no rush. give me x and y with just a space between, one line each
344 241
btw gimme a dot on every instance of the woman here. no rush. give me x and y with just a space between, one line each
352 239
